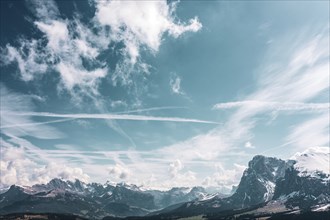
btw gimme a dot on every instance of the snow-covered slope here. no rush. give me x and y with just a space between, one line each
312 160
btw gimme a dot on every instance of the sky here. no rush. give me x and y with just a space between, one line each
159 93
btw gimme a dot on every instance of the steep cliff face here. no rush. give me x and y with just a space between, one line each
258 182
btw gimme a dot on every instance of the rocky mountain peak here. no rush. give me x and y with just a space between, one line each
57 183
268 168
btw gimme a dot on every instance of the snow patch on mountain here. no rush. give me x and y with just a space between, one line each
205 197
312 160
26 189
323 207
270 187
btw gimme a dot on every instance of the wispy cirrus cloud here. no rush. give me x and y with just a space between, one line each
22 125
283 86
274 106
312 132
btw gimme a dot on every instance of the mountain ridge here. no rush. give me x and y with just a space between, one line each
268 185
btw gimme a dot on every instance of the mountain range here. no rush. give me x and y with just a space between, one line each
93 200
268 187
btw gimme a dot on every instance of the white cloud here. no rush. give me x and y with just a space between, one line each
175 84
175 167
223 178
249 145
30 63
74 76
17 168
67 48
179 177
146 29
187 178
118 172
151 20
64 52
57 34
228 177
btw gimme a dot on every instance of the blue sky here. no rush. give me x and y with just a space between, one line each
158 93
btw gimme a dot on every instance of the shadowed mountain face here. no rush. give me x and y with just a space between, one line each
268 185
49 216
304 191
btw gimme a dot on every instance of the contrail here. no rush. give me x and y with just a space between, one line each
150 109
70 119
123 133
112 117
36 123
